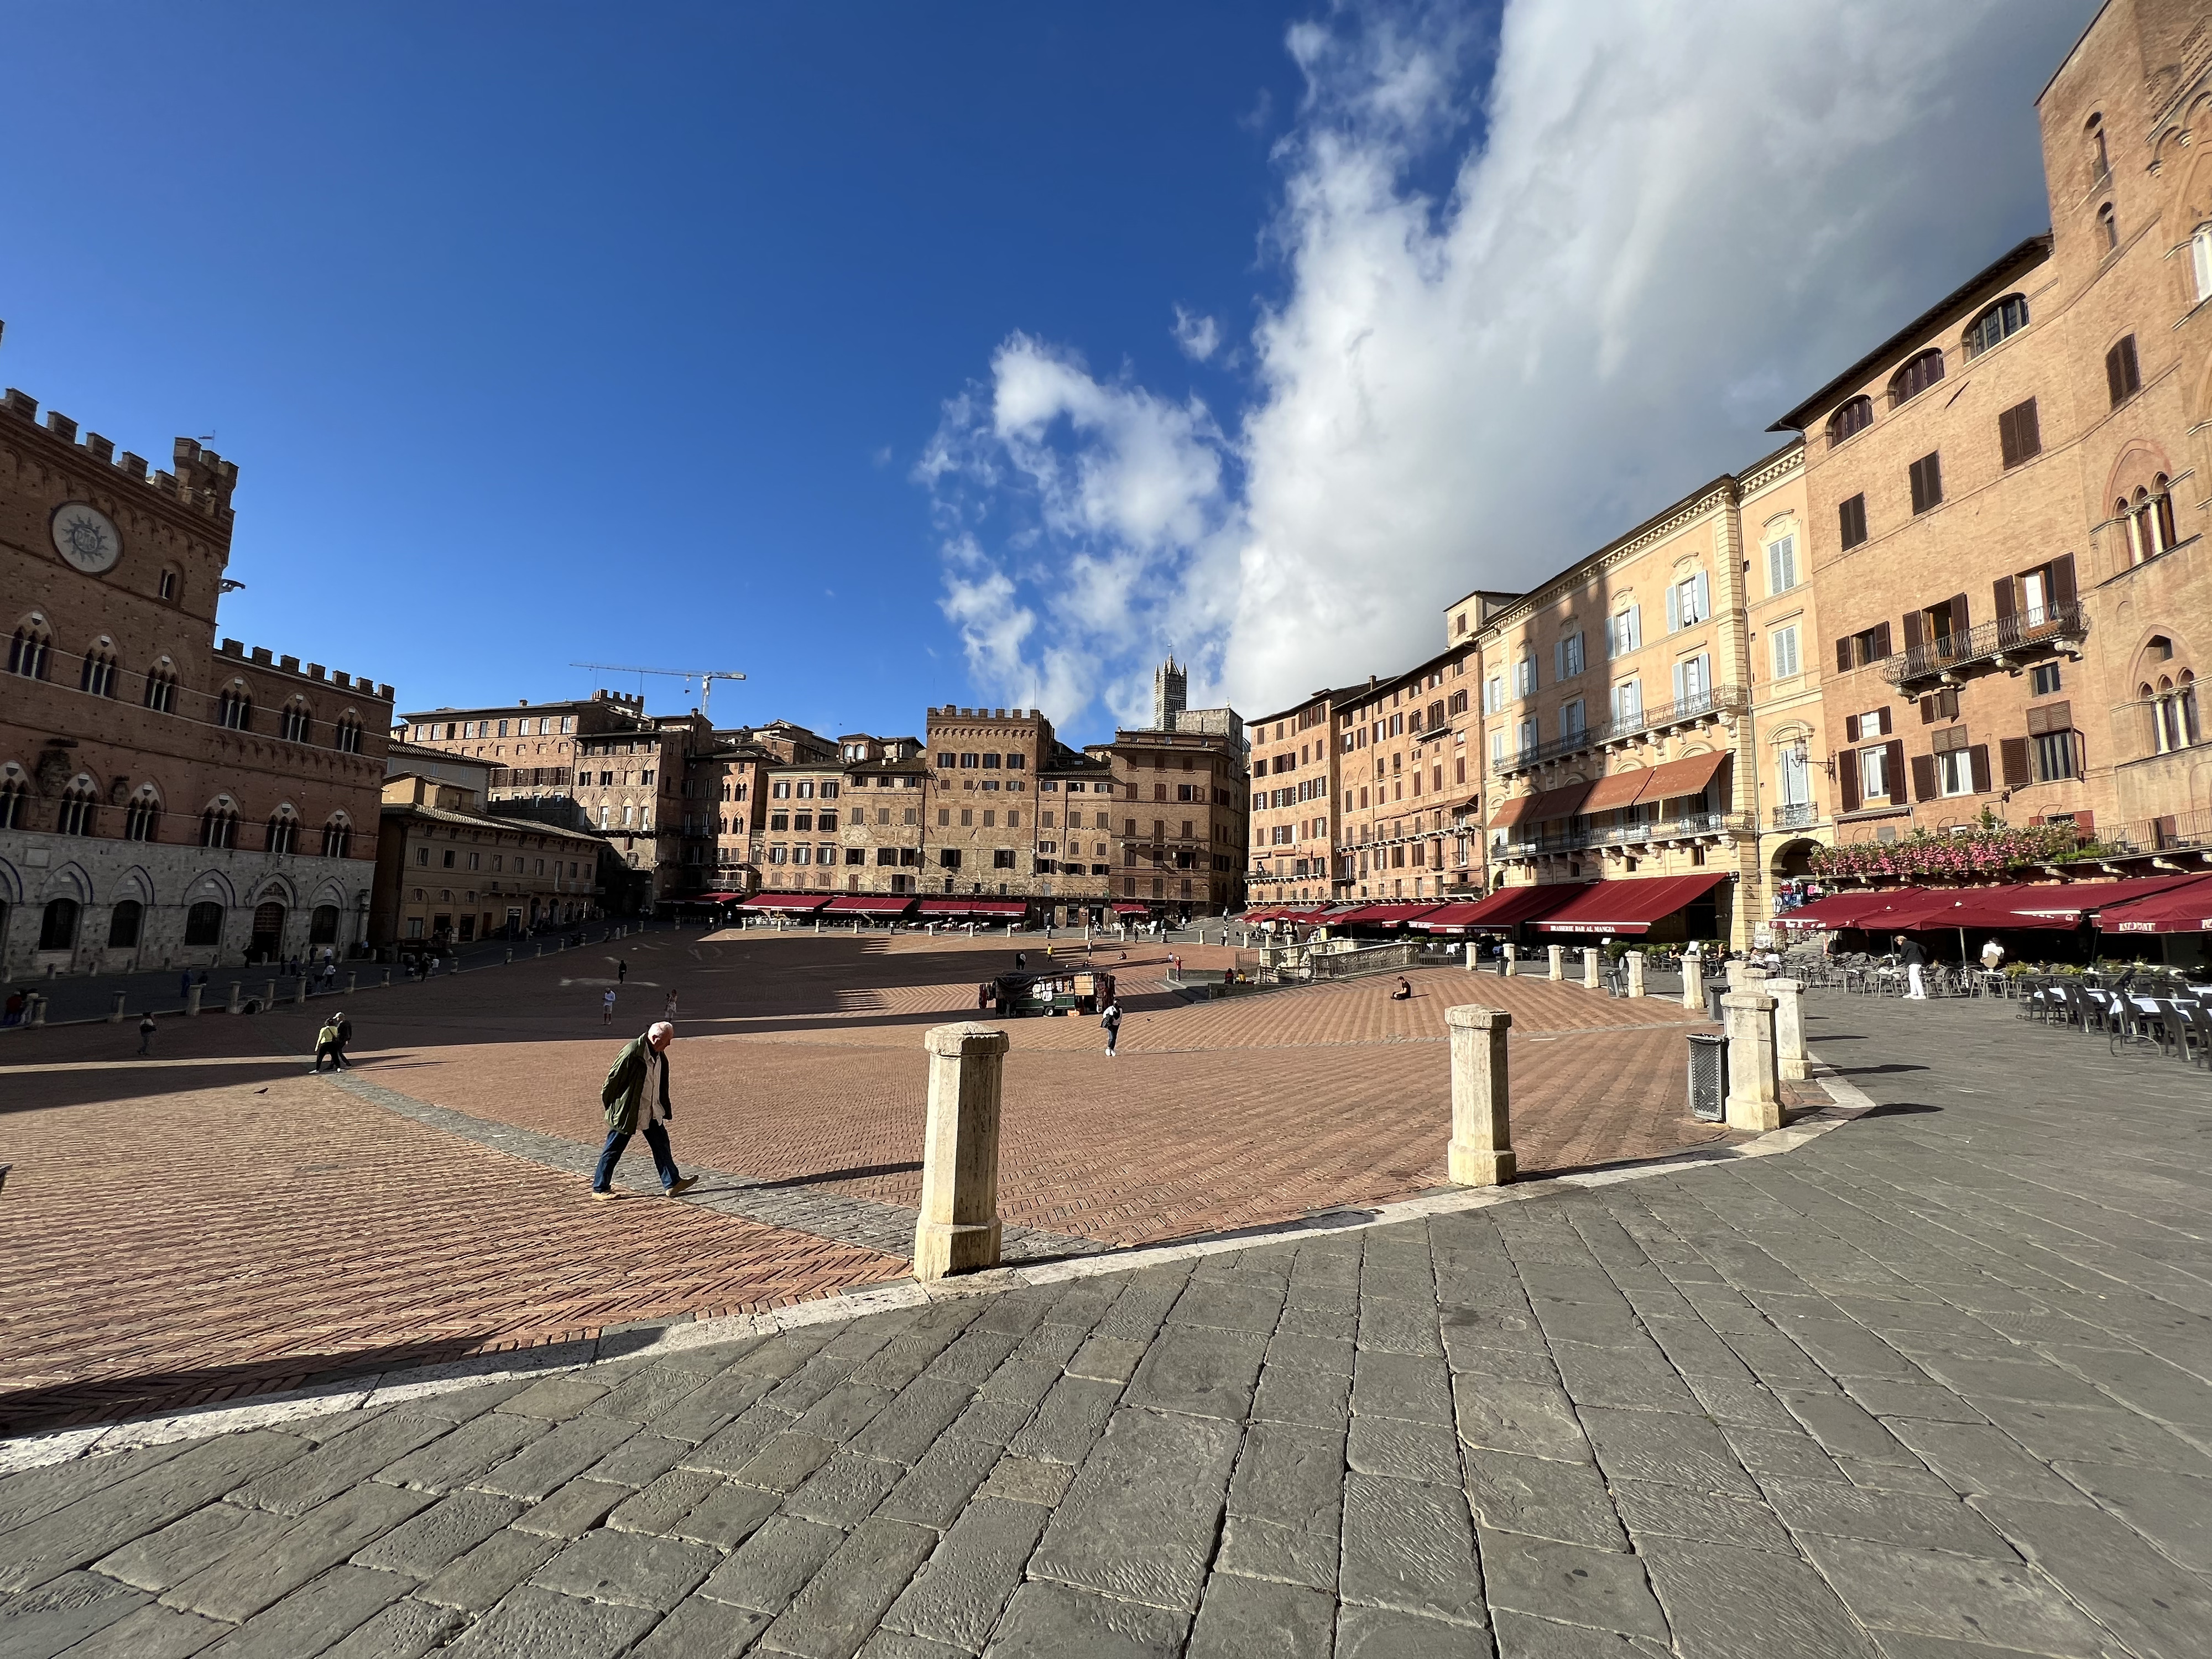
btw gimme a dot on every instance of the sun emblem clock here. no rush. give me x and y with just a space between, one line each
86 538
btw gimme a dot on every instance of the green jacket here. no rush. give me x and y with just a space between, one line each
625 1087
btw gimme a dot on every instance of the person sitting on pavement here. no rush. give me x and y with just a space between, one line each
637 1093
1403 994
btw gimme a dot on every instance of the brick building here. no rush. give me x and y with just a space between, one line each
450 872
2007 495
164 801
1408 756
1294 818
1184 817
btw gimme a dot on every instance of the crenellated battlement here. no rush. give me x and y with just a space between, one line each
202 479
261 657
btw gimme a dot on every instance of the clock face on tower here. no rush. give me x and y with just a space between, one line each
86 538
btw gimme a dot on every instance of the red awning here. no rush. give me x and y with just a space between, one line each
1628 906
974 907
1681 777
2075 899
713 898
2182 910
1965 907
1139 910
786 902
1561 803
1615 791
1512 812
1845 909
1506 908
1382 915
874 905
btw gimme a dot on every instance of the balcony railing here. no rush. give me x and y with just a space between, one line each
2025 633
2183 832
1721 700
1685 828
1797 816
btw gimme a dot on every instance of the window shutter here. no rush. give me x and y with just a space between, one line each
2002 593
1678 681
1705 602
1850 728
2039 722
1884 717
1924 777
1894 771
1928 711
1635 627
1881 640
1774 582
1558 659
2061 579
2012 757
1978 758
1842 656
1960 621
1674 607
2113 375
1913 631
1847 779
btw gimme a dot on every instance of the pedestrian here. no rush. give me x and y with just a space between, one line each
1175 965
1111 1021
1993 955
1915 958
637 1093
16 1003
146 1032
1021 962
345 1035
184 985
669 1012
621 970
327 1043
607 1007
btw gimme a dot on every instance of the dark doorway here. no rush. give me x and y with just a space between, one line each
268 941
123 925
58 931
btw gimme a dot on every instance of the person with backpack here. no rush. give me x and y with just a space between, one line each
326 1046
637 1093
1110 1021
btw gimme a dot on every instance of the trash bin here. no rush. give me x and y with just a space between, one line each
1708 1076
1714 1012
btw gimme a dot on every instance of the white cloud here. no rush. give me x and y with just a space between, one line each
1650 226
1199 336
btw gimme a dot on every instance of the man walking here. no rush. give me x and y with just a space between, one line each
146 1032
344 1029
621 970
636 1093
1909 952
327 1043
1111 1020
607 1007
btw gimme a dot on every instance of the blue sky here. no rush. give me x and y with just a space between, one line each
839 344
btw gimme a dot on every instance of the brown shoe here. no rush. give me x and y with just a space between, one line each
604 1192
681 1184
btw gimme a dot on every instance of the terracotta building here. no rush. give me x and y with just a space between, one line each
449 872
164 801
1409 756
2007 495
1294 823
1181 800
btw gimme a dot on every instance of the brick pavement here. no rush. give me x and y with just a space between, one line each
274 1231
1936 1385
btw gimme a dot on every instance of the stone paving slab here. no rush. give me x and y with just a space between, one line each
1877 1397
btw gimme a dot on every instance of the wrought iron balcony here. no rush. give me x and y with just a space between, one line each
1797 816
1688 827
1721 700
1992 644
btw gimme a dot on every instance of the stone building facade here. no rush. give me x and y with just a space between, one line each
1295 826
1409 762
448 872
1184 819
165 801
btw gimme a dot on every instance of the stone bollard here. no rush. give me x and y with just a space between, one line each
1754 1101
237 1003
1558 955
192 1002
352 980
1470 955
115 1011
1590 979
509 963
269 997
959 1227
1734 967
38 1009
1481 1152
541 947
386 986
1512 960
1790 1058
1635 961
1693 983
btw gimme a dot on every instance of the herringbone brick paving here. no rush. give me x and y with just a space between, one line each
211 1223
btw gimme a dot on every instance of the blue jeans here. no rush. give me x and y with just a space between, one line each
656 1137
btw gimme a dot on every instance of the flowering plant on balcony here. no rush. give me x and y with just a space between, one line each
1987 849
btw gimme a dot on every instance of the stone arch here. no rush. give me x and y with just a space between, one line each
2136 467
135 882
11 883
212 886
1793 859
69 880
276 889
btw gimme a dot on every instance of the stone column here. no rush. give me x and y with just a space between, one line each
1590 979
352 979
1734 967
510 956
1754 1101
1482 1121
959 1227
1635 960
38 1009
115 1010
1693 981
1470 955
269 997
386 986
1796 1066
192 1002
1558 955
237 1003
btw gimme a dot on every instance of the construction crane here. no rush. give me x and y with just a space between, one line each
706 677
